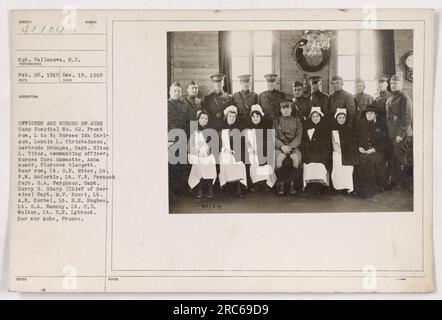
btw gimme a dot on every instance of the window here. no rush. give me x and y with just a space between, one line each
357 59
251 54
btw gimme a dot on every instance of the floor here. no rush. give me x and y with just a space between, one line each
268 202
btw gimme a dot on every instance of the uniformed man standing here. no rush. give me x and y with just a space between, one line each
317 97
245 99
301 104
342 99
270 99
176 109
215 103
177 119
399 118
361 98
381 96
192 102
380 101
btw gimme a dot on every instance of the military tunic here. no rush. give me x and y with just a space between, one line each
399 117
302 106
214 104
244 100
193 104
177 119
269 101
176 115
321 99
362 101
288 132
345 100
380 101
399 114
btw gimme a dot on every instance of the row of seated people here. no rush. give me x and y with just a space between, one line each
312 154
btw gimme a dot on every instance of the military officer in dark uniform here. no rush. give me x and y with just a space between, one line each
270 99
380 101
215 103
381 96
192 102
301 104
319 98
399 118
245 99
176 109
177 119
361 98
342 99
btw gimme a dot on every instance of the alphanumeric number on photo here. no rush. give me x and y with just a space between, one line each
211 205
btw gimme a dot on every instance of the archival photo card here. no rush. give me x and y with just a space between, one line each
221 150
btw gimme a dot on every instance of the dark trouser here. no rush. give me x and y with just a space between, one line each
399 161
268 120
178 175
388 158
370 174
288 173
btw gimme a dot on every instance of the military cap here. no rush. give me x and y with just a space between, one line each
359 80
297 84
244 77
315 79
176 84
271 77
336 78
217 77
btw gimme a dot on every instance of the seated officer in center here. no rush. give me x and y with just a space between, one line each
288 135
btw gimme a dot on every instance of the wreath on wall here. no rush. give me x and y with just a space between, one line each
309 64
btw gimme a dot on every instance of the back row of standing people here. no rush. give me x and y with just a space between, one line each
394 108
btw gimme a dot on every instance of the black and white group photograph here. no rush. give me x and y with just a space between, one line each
290 121
301 159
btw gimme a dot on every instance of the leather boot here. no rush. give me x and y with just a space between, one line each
239 190
209 189
199 192
266 187
281 190
292 188
253 188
